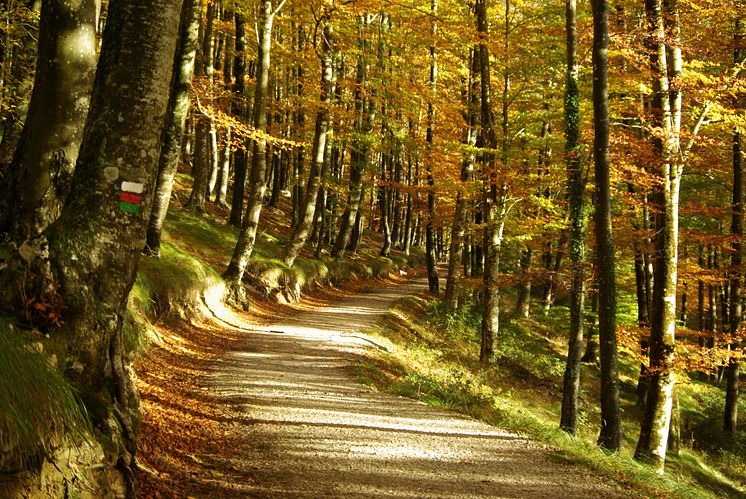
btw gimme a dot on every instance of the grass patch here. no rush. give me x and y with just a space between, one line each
436 361
38 408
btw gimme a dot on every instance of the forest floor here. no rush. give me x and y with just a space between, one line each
265 404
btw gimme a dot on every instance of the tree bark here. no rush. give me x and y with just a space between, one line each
44 160
730 413
494 199
250 225
610 435
365 109
176 115
459 217
654 430
101 228
430 251
239 110
576 195
308 208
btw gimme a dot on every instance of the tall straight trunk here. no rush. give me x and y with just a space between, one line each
203 130
221 194
523 301
384 195
494 202
176 115
308 209
654 430
409 216
455 254
44 159
576 208
101 227
730 413
239 110
250 225
459 217
430 252
611 430
200 164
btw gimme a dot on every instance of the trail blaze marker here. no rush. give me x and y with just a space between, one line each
130 208
130 198
134 187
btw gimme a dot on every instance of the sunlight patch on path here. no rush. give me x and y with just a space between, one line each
308 430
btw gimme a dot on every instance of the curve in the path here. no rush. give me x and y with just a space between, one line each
307 429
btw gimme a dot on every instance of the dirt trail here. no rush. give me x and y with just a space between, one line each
304 428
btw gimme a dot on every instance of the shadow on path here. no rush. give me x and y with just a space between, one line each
306 429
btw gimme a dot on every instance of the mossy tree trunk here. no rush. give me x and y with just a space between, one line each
576 198
44 160
95 244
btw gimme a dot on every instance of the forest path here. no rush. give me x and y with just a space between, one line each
307 429
279 414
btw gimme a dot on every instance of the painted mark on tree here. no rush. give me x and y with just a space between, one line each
130 208
130 198
134 187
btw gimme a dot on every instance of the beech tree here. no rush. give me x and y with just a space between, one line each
83 265
250 225
315 175
666 115
576 211
44 162
178 110
730 416
611 430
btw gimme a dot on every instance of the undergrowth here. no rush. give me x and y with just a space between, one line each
436 361
38 408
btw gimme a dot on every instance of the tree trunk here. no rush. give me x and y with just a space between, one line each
250 225
176 115
523 301
221 195
201 165
44 160
494 202
611 431
308 209
576 195
459 217
654 430
101 228
239 111
365 111
203 130
430 252
730 416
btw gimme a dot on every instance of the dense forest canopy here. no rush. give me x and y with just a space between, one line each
582 154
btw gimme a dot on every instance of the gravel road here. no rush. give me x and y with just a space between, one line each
306 429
